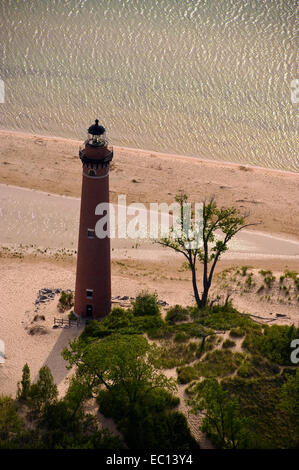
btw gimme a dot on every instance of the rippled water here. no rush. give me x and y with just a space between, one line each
209 78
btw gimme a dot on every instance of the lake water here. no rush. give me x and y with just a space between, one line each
208 78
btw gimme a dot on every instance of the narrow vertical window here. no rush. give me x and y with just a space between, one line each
90 233
89 293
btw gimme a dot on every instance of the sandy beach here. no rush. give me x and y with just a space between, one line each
51 164
40 183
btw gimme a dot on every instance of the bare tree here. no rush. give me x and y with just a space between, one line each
199 239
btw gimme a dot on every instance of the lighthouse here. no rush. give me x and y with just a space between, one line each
93 277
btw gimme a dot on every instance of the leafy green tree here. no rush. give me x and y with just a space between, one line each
222 420
78 392
117 359
60 428
197 240
24 386
11 425
44 392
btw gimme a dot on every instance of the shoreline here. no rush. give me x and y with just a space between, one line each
152 152
269 197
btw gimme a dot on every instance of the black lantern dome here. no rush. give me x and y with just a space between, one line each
97 135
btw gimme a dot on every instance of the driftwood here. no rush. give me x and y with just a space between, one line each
266 319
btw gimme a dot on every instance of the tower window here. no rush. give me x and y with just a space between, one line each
92 173
90 233
89 293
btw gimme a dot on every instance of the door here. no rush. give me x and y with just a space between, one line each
88 311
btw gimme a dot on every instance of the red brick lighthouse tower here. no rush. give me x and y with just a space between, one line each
93 279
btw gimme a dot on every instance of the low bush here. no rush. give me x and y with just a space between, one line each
176 354
181 337
274 342
176 314
163 332
66 301
186 374
228 343
237 332
72 316
146 304
227 317
219 363
260 398
124 322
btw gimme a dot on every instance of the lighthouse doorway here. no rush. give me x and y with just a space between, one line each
88 311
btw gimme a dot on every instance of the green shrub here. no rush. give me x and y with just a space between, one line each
248 281
176 354
291 275
118 318
191 329
72 316
273 343
163 332
66 301
11 425
259 399
244 270
186 374
228 343
95 329
269 281
146 304
245 370
265 273
257 366
219 363
177 313
124 322
227 317
237 332
181 337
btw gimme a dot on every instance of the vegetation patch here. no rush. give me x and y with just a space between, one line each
173 354
176 314
260 399
274 342
186 374
237 332
66 301
226 317
228 343
219 363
